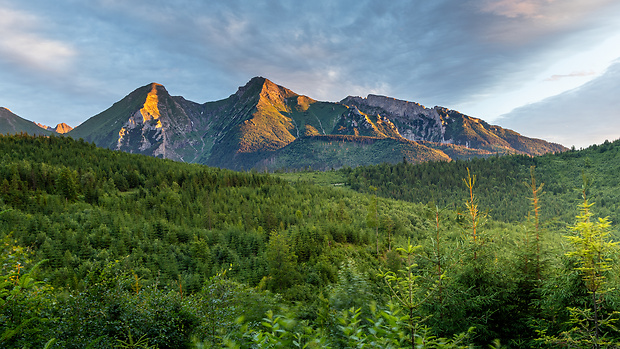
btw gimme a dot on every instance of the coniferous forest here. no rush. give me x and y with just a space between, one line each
104 249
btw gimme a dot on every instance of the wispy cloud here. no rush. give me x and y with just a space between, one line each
557 77
515 8
581 117
23 43
521 22
553 12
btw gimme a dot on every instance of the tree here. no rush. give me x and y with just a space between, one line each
592 249
281 261
67 185
372 219
404 288
476 217
22 298
535 219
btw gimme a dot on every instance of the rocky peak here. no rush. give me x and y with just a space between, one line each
273 90
44 126
414 121
402 108
62 128
255 84
145 123
267 92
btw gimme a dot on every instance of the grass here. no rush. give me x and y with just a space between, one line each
322 178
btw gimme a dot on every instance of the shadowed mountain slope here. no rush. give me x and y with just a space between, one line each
13 124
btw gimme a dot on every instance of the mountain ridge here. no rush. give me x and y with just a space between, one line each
263 121
61 128
11 123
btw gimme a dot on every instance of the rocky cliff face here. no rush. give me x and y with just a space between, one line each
357 123
144 129
413 121
444 126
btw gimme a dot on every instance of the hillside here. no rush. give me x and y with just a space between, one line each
325 152
441 182
13 124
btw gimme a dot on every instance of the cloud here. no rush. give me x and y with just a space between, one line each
515 8
552 12
581 117
435 53
431 52
523 22
22 44
557 77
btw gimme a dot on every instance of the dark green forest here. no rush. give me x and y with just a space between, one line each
104 249
501 178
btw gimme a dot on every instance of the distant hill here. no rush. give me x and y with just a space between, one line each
267 126
61 128
13 124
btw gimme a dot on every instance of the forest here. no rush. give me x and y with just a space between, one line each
105 249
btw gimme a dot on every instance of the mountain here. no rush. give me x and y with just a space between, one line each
10 123
267 126
441 125
147 121
13 124
61 128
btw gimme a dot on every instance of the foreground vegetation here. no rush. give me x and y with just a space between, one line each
105 249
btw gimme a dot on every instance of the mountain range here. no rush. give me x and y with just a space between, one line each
267 126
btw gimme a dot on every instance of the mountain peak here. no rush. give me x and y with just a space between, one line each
264 87
153 86
44 126
10 123
276 92
62 128
256 83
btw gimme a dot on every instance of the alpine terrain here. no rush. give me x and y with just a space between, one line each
267 126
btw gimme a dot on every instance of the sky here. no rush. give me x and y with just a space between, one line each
546 68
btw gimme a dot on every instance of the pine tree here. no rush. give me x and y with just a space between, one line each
475 216
281 260
67 185
592 248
